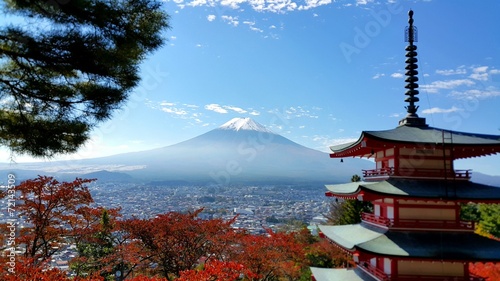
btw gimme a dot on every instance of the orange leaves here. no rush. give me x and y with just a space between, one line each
50 206
177 241
490 271
216 270
170 245
270 256
27 269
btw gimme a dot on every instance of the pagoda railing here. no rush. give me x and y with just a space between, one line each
418 172
438 278
418 223
378 172
378 273
442 224
368 217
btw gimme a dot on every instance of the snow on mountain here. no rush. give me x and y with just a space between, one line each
237 124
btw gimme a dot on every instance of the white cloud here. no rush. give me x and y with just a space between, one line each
363 2
440 110
479 73
435 86
310 4
479 76
226 108
234 4
211 17
297 112
235 109
216 108
254 113
275 6
170 107
252 27
397 75
480 69
230 20
173 110
378 75
196 3
447 72
476 94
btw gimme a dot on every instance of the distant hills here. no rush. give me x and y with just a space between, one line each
239 151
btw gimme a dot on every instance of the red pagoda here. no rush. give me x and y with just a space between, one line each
415 231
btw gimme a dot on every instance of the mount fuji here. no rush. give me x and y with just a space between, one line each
239 151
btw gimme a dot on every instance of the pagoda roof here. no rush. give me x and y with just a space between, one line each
340 274
466 144
463 246
430 189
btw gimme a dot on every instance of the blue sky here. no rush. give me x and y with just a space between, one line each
317 72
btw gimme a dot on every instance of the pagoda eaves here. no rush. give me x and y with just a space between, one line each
464 145
459 191
413 244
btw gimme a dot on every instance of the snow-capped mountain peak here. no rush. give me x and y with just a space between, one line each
237 124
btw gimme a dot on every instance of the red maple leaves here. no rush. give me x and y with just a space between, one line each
171 246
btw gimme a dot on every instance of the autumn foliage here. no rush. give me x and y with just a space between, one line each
489 271
170 246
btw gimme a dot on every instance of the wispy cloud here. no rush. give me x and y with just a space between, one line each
223 109
235 109
476 94
251 25
216 108
300 111
480 73
435 86
310 4
447 72
378 75
234 4
176 110
273 6
435 110
397 75
231 20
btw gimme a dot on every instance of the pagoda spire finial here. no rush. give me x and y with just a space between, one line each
411 80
